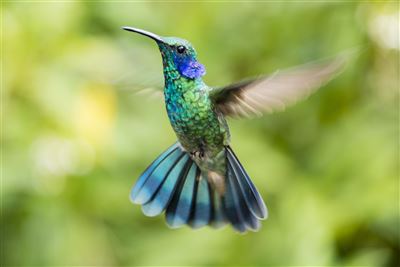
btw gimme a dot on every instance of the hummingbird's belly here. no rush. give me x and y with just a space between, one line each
197 126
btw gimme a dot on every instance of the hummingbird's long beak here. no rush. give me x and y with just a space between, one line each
145 33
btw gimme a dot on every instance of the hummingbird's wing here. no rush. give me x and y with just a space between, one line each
275 92
139 78
147 87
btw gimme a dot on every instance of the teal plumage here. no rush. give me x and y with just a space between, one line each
199 181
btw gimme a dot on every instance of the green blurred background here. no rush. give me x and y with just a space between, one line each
76 134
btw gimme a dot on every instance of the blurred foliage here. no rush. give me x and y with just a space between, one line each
76 135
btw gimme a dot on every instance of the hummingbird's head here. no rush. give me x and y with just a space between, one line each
177 53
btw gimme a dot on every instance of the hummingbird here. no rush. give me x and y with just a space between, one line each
199 181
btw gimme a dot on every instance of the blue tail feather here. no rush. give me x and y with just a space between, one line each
202 206
231 203
175 184
164 193
156 178
178 212
143 178
249 220
218 218
251 195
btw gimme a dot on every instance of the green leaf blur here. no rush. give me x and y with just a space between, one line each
77 135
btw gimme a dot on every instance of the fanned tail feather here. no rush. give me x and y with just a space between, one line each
175 184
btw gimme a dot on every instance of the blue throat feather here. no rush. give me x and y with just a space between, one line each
189 67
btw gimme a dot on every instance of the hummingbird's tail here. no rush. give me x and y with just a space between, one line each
243 205
174 183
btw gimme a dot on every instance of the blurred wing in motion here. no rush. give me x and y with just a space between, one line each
152 92
141 77
277 91
149 88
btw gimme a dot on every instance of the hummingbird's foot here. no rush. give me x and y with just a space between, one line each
197 154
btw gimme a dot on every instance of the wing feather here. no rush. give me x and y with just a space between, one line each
275 92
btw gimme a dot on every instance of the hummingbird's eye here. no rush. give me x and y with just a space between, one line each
181 49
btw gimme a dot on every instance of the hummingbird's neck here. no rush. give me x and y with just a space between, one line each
176 81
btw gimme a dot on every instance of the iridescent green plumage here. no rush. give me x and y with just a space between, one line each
199 180
201 129
189 106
